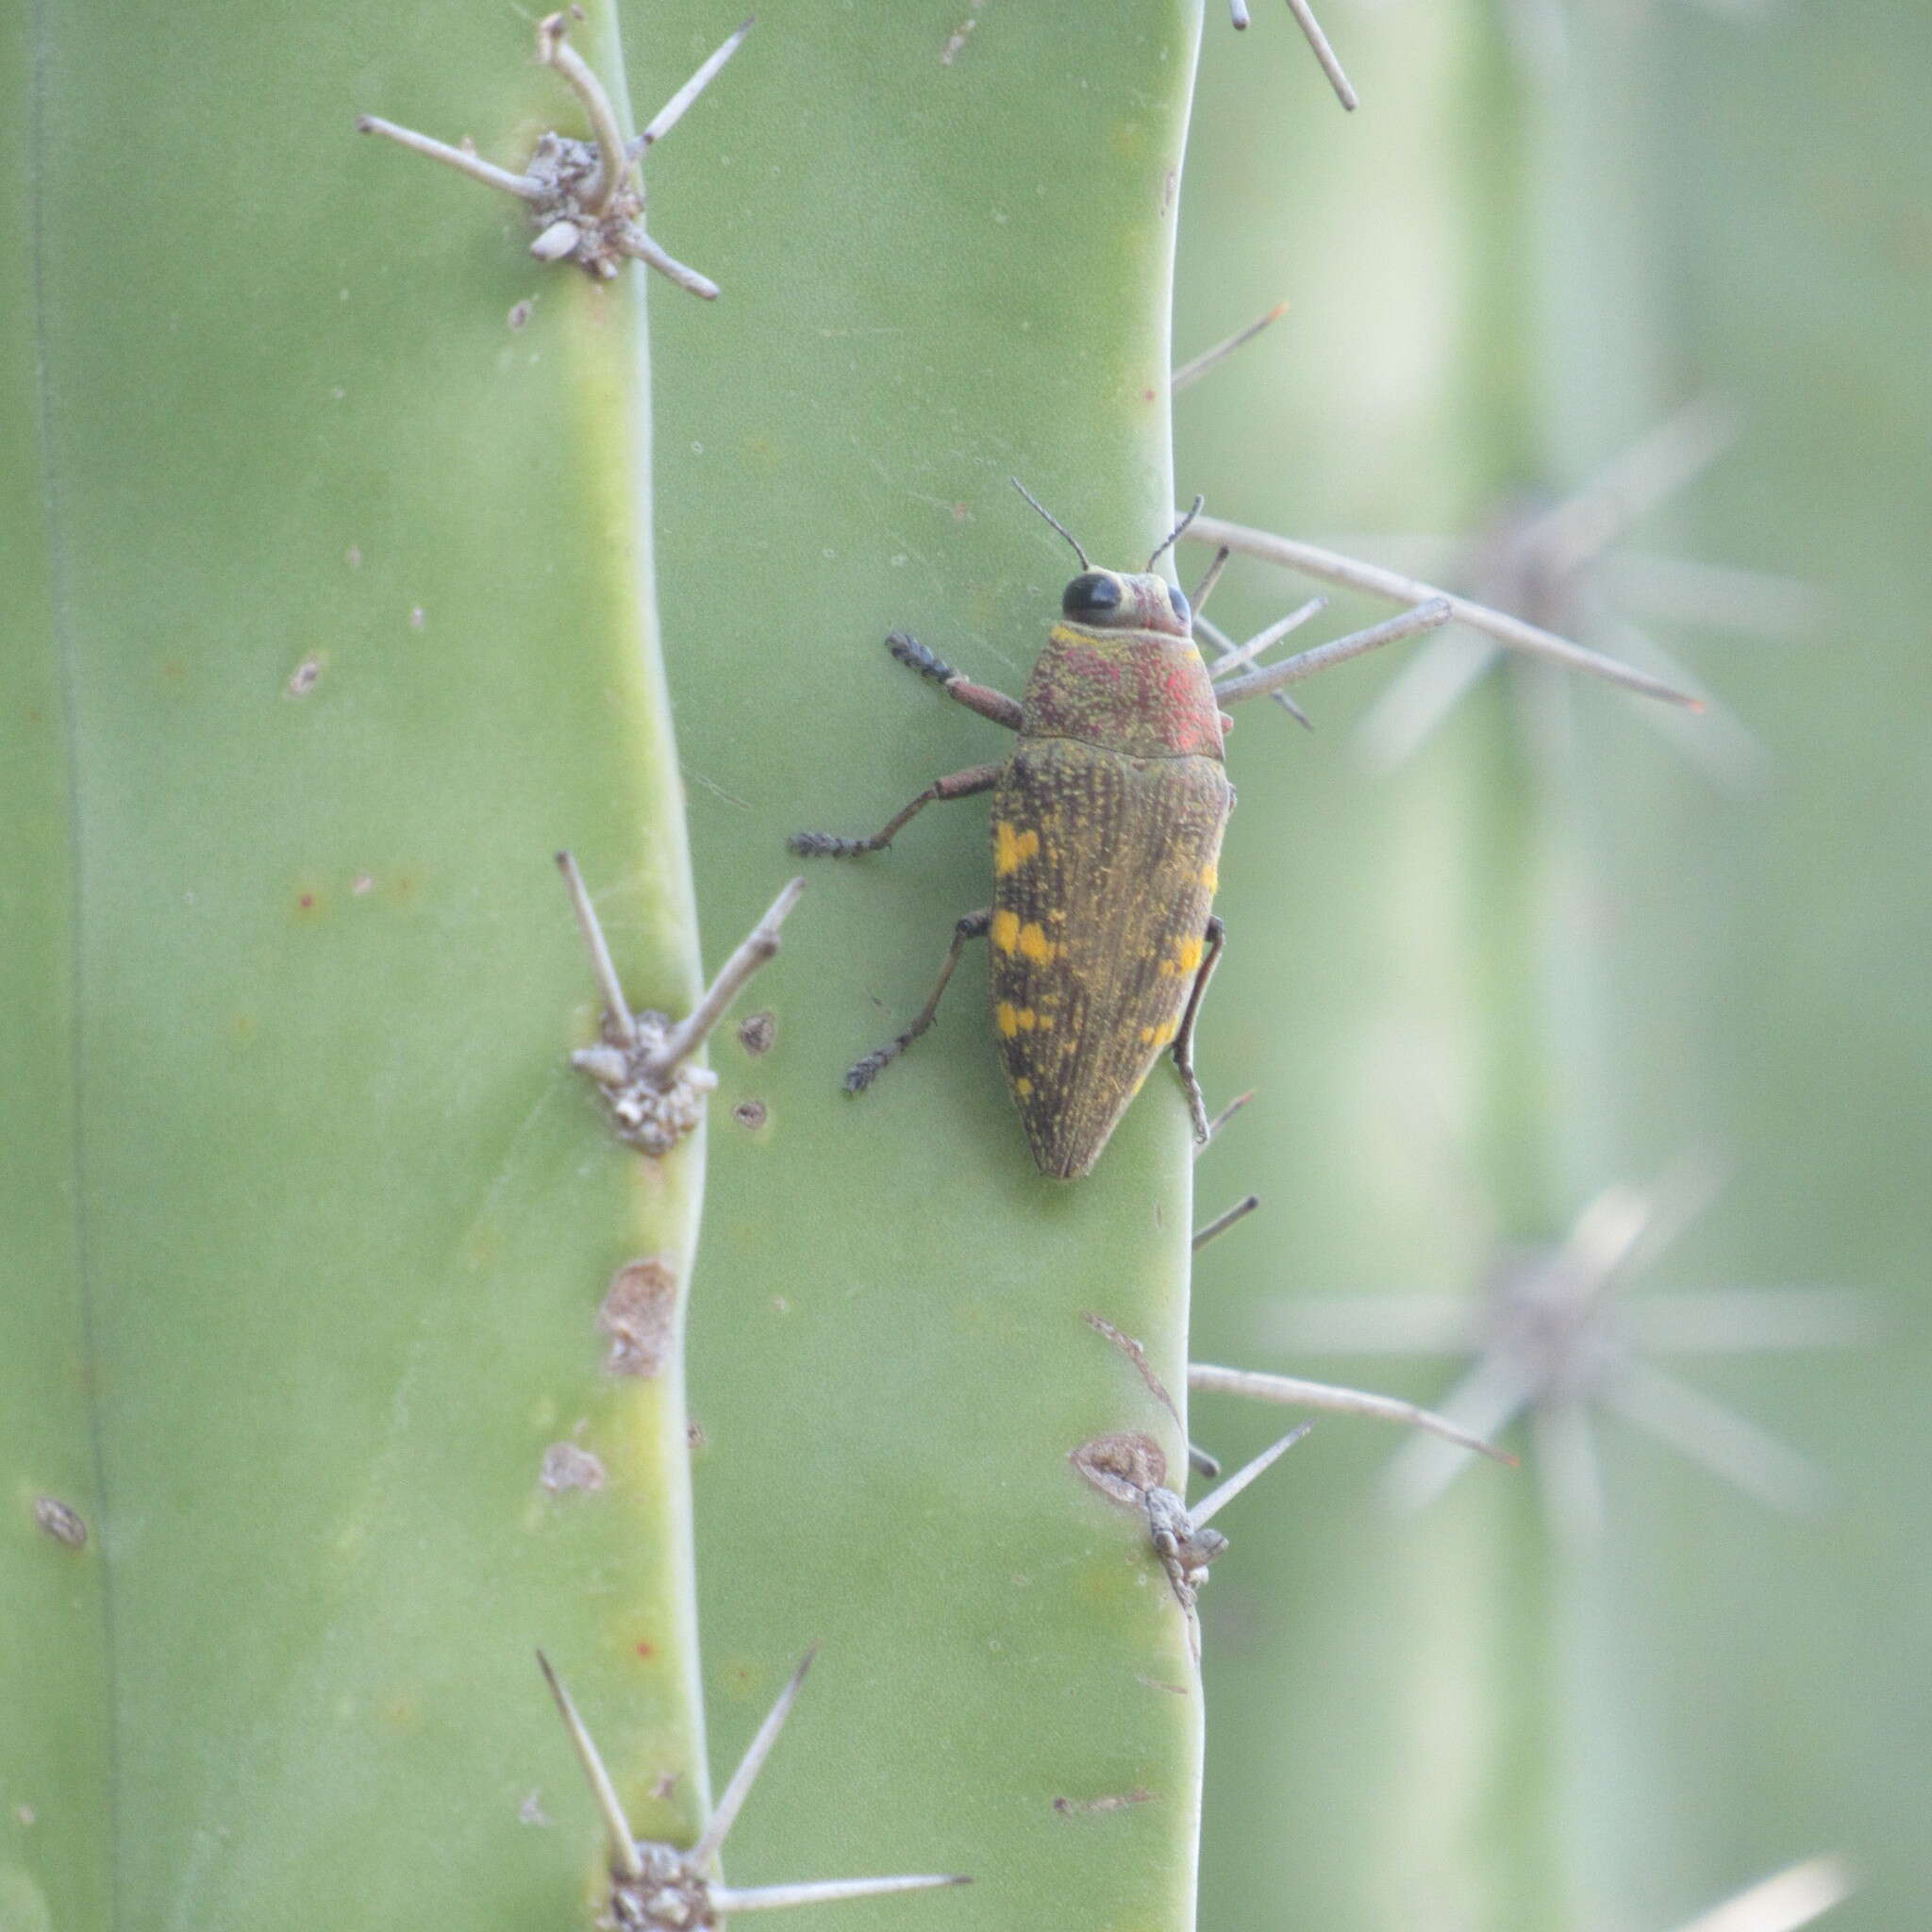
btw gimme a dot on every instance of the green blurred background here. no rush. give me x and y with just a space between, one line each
1477 991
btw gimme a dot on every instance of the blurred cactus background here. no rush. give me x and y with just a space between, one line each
1571 943
1588 1038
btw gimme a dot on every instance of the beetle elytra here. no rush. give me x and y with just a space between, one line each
1107 822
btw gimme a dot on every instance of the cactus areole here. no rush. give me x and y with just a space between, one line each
1106 824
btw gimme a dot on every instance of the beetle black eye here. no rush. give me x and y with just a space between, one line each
1179 599
1097 594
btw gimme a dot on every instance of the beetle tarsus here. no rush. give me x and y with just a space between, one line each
863 1073
824 845
915 657
974 926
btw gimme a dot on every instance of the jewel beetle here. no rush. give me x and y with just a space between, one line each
1107 816
1106 825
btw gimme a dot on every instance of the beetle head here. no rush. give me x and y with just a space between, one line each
1115 600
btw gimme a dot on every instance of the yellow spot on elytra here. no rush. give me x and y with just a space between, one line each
1046 1022
1188 953
1210 876
1035 945
1005 930
1007 1017
1028 1018
1022 1087
1146 1036
1011 849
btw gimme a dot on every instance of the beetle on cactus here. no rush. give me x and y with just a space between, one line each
1106 825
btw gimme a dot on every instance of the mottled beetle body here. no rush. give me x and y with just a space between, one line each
1107 826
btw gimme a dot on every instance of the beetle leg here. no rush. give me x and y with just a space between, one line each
973 926
955 784
982 698
1184 1040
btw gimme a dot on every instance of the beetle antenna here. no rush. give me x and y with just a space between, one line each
1055 521
1173 536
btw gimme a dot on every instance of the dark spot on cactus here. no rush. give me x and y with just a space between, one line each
567 1467
306 676
1087 1807
637 1314
1159 1684
60 1521
757 1031
520 314
645 1648
1124 1467
750 1113
694 1437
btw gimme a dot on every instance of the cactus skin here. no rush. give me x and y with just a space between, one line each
54 1699
964 268
349 626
